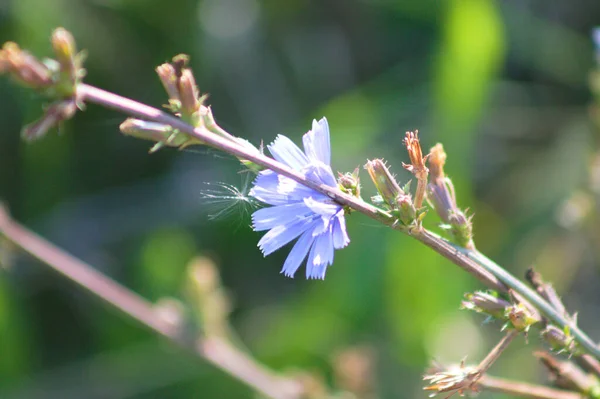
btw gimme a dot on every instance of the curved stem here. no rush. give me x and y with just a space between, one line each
481 267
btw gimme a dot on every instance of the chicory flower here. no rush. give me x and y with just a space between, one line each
298 211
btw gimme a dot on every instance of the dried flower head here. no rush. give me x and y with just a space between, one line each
456 379
417 165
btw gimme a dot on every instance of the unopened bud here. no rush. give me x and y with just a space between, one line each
350 183
189 95
559 340
385 183
521 317
487 303
407 213
168 78
23 67
63 44
441 196
163 135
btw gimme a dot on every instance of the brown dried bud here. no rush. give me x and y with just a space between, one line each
24 67
417 165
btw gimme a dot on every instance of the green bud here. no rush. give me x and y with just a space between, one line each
350 183
520 317
385 183
486 303
559 340
163 135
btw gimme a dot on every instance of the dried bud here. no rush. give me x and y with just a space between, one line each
24 67
57 112
459 379
350 183
560 340
417 165
487 303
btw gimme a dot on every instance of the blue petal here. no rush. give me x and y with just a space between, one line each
340 235
321 255
316 142
268 218
285 151
327 210
320 173
297 254
265 189
296 191
280 235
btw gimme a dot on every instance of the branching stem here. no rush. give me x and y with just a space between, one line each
474 262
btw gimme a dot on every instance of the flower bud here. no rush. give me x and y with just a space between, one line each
350 183
521 318
168 78
189 95
487 303
441 196
384 182
24 67
559 340
163 135
63 44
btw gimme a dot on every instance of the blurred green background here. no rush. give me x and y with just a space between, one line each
502 84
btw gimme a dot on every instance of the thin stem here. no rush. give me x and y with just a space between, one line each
481 267
524 390
495 353
217 351
532 296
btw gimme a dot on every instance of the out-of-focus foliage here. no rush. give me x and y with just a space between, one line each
502 84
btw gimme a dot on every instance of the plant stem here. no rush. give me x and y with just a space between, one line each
215 350
524 390
495 353
475 263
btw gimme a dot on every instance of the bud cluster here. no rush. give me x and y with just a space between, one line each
397 200
57 79
514 314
